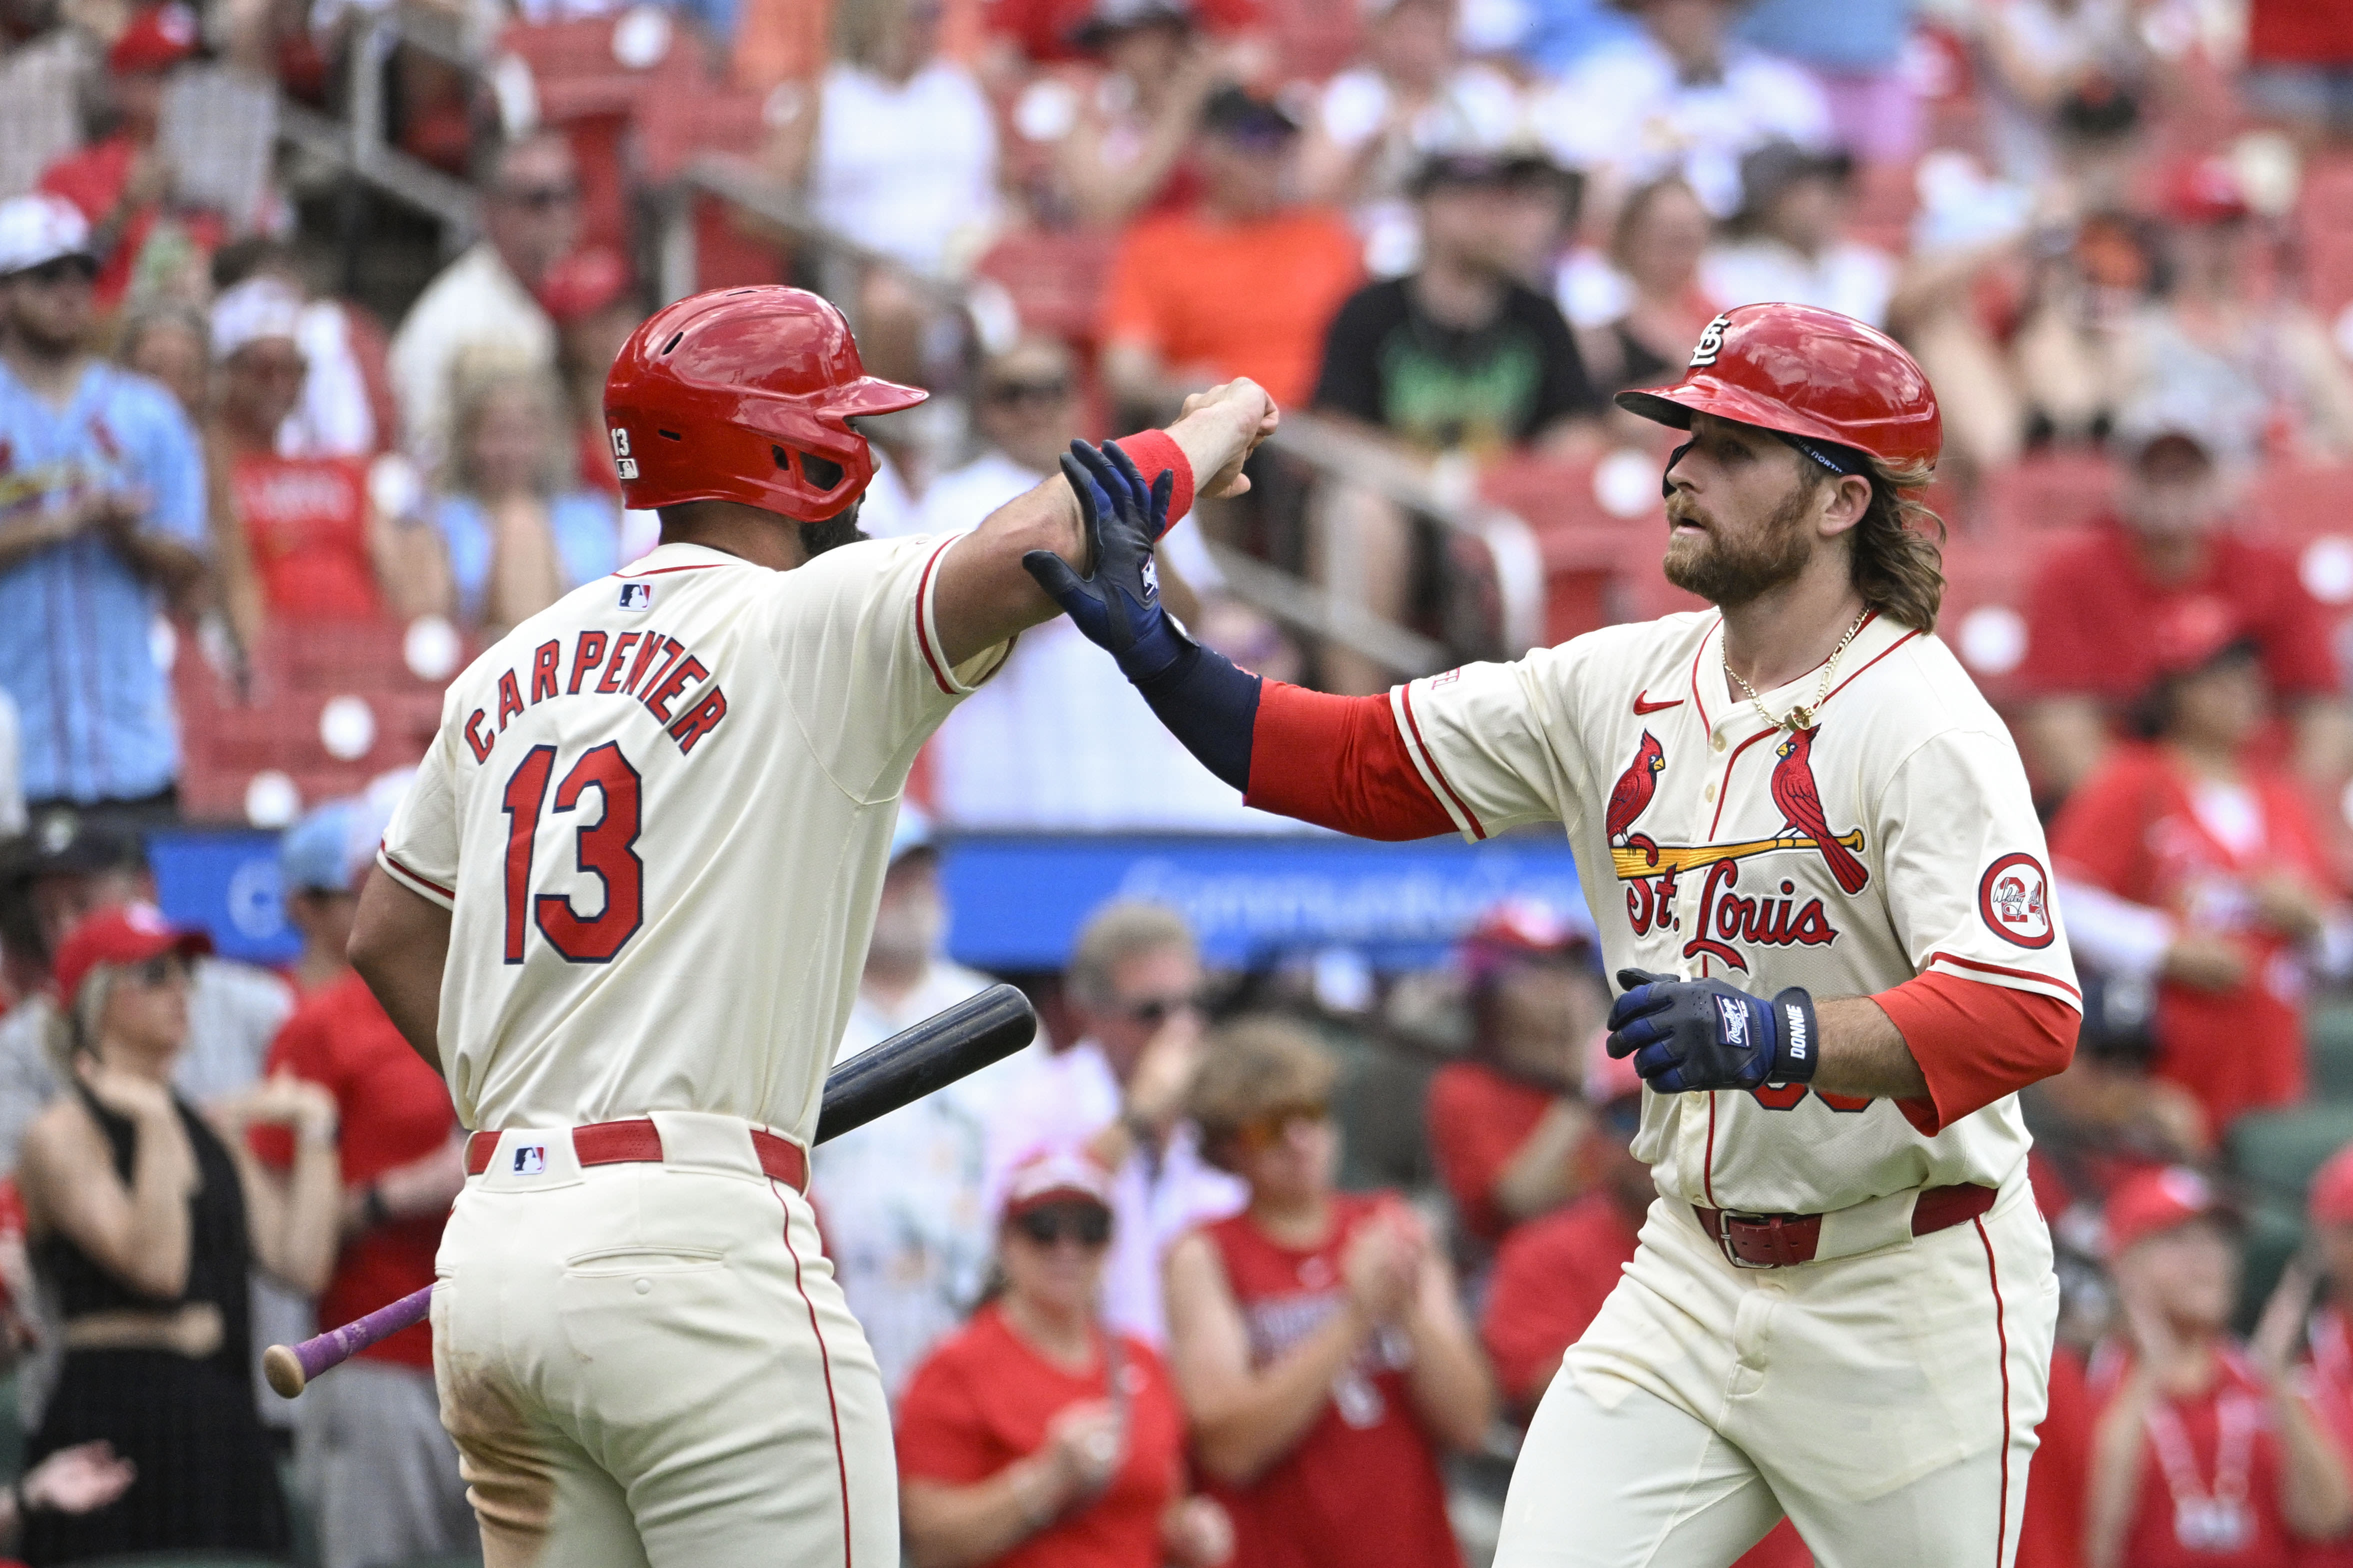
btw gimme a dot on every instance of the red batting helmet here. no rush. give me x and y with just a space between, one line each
1805 372
746 395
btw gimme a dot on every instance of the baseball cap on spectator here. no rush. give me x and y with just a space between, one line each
2179 410
1055 1176
1768 171
1466 165
2154 1201
582 283
124 933
1516 930
315 855
63 842
158 38
1241 115
37 230
1111 17
2202 191
256 309
2331 1200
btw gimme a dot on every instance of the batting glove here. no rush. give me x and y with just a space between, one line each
1686 1035
1117 606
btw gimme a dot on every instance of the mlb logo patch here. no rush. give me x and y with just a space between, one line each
530 1159
637 595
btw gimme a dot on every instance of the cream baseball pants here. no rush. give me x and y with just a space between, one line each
649 1365
1886 1402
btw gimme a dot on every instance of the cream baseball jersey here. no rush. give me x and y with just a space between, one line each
659 812
1894 836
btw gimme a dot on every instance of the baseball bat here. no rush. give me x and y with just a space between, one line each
947 1045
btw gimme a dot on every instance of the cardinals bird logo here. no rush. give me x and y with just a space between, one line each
1631 795
1801 804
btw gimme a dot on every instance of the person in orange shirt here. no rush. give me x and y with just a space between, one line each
1243 285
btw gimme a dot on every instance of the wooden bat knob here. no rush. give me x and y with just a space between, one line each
283 1371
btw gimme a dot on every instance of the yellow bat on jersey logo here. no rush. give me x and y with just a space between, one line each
1634 864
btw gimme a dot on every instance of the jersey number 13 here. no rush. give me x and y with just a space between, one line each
604 849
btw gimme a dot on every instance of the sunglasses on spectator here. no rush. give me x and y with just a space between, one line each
50 274
1266 1131
542 198
1089 1225
1011 393
159 971
1154 1011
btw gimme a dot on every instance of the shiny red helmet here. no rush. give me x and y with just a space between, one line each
1801 371
746 395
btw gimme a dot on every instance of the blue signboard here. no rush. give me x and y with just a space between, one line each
1019 900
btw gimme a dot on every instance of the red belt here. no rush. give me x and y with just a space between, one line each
640 1143
1778 1240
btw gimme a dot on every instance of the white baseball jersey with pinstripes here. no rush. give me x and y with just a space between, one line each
1895 837
661 811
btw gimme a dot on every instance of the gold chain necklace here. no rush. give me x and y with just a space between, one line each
1801 716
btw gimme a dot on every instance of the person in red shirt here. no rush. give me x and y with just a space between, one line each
1241 286
1316 1336
123 182
1505 1121
2202 1456
369 1440
297 538
2299 70
2186 861
1553 1273
1034 1438
593 301
2169 566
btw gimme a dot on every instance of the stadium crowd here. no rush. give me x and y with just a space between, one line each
1179 1284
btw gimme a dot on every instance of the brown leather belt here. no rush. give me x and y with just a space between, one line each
1779 1240
640 1143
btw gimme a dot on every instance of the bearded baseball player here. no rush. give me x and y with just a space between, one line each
1807 842
623 908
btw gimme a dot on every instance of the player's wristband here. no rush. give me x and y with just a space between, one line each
1153 451
1797 1036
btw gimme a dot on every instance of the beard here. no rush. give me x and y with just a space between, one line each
816 538
1726 571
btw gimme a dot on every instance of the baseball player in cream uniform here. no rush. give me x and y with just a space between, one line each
623 907
1808 846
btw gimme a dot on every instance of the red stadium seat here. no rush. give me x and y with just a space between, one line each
1056 278
2054 489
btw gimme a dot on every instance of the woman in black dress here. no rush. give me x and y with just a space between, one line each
144 1221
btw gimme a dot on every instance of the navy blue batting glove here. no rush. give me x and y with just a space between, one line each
1686 1035
1117 605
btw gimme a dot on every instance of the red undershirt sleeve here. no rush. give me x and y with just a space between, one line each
1975 1042
1153 451
1339 763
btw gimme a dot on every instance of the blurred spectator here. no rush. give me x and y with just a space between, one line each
594 303
1052 30
296 538
1554 1272
1506 1123
1639 316
1316 1338
481 305
347 409
143 1221
1244 284
1378 123
2209 335
2324 1377
1035 1438
1120 141
905 1197
1461 356
520 530
2108 1115
315 891
2168 568
1684 97
121 184
1788 240
1548 37
2090 285
2056 76
1118 1094
105 516
370 1446
2202 1454
1001 761
2299 68
1854 52
2190 862
75 1481
171 344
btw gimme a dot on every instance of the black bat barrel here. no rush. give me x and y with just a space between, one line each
936 1052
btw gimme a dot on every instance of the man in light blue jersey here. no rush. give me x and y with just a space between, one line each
102 517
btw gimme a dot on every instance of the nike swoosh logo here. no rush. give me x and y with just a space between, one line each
1642 704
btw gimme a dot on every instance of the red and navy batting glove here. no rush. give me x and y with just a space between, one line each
1117 606
1686 1035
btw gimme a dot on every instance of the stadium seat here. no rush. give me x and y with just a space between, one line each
1055 278
2053 490
2276 1151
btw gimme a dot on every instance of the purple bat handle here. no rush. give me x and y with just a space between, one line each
287 1368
